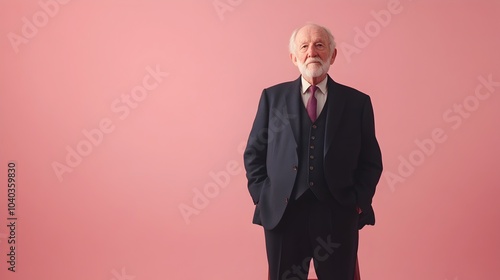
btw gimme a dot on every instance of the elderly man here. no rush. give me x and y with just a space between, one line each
312 163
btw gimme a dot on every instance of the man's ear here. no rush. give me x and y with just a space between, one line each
293 58
334 54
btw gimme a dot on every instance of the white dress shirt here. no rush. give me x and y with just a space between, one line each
321 93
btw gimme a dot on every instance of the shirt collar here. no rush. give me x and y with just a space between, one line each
306 85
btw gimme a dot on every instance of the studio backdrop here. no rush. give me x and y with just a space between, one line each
123 124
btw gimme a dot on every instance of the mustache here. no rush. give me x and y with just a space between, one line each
314 59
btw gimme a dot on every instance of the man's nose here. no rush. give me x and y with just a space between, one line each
311 51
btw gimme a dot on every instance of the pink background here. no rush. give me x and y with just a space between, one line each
117 215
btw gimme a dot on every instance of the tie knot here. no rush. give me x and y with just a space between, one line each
313 89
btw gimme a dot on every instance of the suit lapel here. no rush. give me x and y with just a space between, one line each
336 101
293 103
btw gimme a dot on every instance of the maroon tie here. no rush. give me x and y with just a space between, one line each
312 104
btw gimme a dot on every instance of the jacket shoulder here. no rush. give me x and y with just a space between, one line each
351 92
281 87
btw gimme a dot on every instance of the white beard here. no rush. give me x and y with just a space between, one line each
313 70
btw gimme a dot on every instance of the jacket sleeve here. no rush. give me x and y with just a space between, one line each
256 150
369 167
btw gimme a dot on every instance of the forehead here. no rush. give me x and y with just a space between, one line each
311 33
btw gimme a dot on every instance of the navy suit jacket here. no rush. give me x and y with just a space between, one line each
352 157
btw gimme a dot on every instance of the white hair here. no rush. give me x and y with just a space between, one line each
293 46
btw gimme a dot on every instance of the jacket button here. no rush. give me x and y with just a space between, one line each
286 200
295 168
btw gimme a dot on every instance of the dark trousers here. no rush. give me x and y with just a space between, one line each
311 229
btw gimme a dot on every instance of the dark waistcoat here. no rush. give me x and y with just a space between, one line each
311 155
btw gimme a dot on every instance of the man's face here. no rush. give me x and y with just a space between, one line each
312 53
